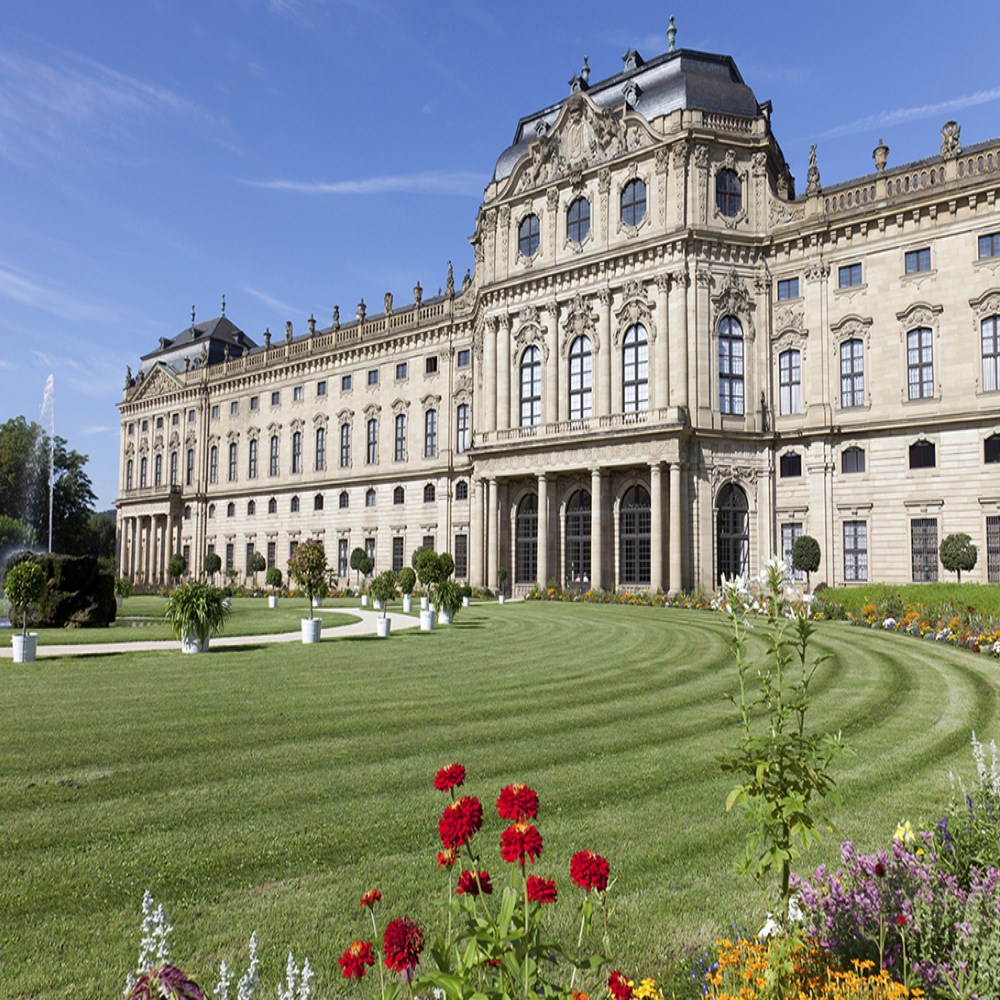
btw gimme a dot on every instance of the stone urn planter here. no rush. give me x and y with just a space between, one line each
25 646
364 600
427 621
377 604
407 604
465 602
382 627
501 598
424 603
192 644
272 600
444 617
310 629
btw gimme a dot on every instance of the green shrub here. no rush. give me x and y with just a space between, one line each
24 586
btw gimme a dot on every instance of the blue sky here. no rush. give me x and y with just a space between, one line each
293 154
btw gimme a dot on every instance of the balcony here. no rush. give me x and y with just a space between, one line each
672 417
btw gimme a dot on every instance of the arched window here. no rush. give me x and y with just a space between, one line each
297 451
531 387
633 535
577 533
633 202
213 464
400 448
251 508
730 366
398 495
372 441
789 382
295 505
923 455
990 330
252 464
852 459
733 532
157 470
991 449
578 220
211 510
318 501
463 437
187 512
173 468
430 433
528 236
370 498
189 474
143 469
581 379
430 494
728 195
462 490
320 449
273 468
345 500
345 445
526 540
128 474
272 506
852 373
635 370
230 509
232 461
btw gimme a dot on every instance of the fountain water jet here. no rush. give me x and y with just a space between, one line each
49 426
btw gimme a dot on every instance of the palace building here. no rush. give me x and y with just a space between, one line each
666 366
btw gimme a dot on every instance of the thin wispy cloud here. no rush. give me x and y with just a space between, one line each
30 291
458 182
99 429
900 116
274 303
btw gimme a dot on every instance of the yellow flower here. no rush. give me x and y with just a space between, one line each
904 832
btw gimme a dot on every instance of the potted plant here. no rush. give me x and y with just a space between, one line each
273 579
502 580
383 590
448 598
308 567
428 566
407 581
358 556
123 589
466 595
196 611
24 586
256 564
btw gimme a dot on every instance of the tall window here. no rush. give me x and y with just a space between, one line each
920 363
526 540
320 449
230 556
924 549
398 496
273 467
633 202
852 373
297 451
531 387
855 551
272 506
733 532
789 382
463 437
232 461
213 464
318 501
295 505
157 470
272 555
345 500
993 548
189 473
581 379
790 531
430 493
252 463
345 445
730 366
371 497
399 452
128 474
372 441
577 533
461 556
341 557
173 468
635 370
728 195
462 489
578 220
430 433
528 236
990 329
251 508
991 449
633 533
398 553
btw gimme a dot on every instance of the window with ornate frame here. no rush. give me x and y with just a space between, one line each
789 382
345 445
531 387
463 436
728 192
920 363
578 220
526 540
855 551
989 330
852 373
372 454
634 527
581 379
297 451
233 459
399 444
635 370
731 390
633 202
430 433
528 236
273 466
252 459
320 449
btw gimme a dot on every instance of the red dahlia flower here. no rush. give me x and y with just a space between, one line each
402 943
879 870
620 987
518 802
541 890
370 898
901 919
449 777
460 821
589 870
469 885
355 958
518 841
447 858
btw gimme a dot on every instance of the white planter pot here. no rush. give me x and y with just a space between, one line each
424 603
364 600
426 621
407 604
382 626
317 602
444 617
272 600
25 646
119 601
465 602
501 598
310 629
377 604
227 602
192 644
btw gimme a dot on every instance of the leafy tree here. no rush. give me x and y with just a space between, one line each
308 567
407 580
358 557
273 578
212 563
177 566
446 565
256 564
958 553
24 585
101 533
14 534
806 555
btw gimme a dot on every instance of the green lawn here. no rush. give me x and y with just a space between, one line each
267 788
141 618
985 598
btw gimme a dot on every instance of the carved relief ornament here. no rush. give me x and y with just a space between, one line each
581 321
988 304
635 309
851 327
734 299
530 333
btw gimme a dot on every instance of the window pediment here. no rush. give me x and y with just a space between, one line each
635 310
988 304
734 299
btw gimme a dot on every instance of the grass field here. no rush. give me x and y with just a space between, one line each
265 788
985 598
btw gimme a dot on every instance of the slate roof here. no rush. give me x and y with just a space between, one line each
214 334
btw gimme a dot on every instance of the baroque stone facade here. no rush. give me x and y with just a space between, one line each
665 367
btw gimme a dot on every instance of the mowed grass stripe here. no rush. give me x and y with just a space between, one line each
267 788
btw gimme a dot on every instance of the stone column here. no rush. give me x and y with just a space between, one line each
678 338
660 398
542 569
502 384
493 512
676 584
596 530
444 520
489 412
147 533
602 374
655 528
476 540
550 400
131 548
